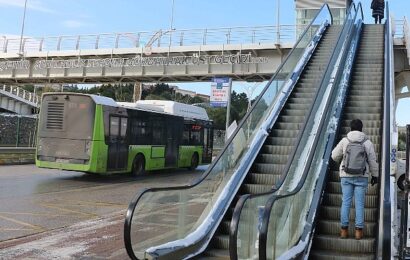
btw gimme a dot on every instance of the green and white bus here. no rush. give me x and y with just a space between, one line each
95 134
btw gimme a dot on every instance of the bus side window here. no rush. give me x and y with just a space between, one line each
124 121
185 135
114 125
139 131
196 136
158 131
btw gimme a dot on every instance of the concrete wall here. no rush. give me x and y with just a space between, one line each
9 126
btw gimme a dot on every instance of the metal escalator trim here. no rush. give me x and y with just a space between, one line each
385 220
350 53
280 98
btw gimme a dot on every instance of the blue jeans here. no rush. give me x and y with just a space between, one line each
358 187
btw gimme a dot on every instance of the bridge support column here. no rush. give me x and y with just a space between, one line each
137 91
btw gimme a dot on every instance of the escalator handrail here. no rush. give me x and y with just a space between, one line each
385 219
138 195
263 233
234 226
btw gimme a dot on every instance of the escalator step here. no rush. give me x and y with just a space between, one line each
268 179
335 187
333 199
277 149
267 168
215 254
363 116
271 158
332 227
255 188
367 110
368 131
285 133
336 255
328 242
289 126
333 213
280 141
221 241
366 123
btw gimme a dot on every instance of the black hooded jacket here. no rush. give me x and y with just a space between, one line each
378 8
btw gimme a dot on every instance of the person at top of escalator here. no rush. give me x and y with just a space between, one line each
358 162
377 10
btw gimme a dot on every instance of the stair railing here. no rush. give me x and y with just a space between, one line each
21 93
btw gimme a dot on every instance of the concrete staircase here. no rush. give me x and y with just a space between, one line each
17 100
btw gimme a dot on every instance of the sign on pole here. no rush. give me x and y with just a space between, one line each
220 88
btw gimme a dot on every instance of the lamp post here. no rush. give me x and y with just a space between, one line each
171 23
22 29
278 23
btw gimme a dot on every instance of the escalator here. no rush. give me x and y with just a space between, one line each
268 168
365 102
181 222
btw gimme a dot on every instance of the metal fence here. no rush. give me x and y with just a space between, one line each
17 130
19 92
161 38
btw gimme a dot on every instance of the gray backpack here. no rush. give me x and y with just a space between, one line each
355 158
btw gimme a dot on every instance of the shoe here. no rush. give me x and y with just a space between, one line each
358 233
344 232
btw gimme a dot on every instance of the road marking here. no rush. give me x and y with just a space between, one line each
94 203
35 227
16 229
34 214
68 210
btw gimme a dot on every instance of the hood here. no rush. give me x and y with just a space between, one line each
356 136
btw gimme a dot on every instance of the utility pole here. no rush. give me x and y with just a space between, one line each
228 109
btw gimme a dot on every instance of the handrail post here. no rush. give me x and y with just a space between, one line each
117 39
40 47
181 39
23 45
97 42
6 45
138 41
77 45
204 39
59 43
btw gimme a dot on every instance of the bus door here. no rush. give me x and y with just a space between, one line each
117 144
208 144
174 131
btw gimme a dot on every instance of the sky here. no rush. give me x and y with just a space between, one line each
74 17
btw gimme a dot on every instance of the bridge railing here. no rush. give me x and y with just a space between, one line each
188 37
19 92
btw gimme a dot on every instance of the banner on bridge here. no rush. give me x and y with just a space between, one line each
220 88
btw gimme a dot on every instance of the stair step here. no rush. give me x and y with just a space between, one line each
349 245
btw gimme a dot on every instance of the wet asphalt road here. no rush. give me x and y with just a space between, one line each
34 200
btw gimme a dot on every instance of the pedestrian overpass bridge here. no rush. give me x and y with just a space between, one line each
242 53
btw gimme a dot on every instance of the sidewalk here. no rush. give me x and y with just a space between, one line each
94 239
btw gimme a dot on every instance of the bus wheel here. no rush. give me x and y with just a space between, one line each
194 161
138 165
401 182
